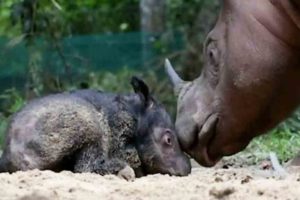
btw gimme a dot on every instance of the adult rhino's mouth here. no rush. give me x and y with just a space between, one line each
199 150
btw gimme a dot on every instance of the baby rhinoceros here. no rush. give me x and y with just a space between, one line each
94 131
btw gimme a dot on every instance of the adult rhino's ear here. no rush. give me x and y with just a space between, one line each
141 88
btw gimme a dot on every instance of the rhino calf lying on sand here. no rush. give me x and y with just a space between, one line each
93 131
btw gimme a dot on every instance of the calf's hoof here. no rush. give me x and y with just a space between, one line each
127 173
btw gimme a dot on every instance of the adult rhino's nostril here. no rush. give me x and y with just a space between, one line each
187 132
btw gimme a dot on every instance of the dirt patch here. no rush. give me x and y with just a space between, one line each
203 183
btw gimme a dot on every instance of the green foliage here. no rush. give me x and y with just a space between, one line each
12 101
114 82
103 15
63 18
292 124
284 143
183 13
3 126
5 13
284 140
51 21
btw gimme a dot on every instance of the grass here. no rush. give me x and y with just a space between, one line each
284 143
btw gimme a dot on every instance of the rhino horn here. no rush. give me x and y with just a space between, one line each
176 81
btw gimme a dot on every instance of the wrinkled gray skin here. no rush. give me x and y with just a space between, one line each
249 83
92 131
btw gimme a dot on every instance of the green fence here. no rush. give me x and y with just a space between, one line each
83 53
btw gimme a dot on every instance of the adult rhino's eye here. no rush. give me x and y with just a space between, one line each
212 55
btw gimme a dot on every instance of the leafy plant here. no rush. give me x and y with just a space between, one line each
12 101
284 143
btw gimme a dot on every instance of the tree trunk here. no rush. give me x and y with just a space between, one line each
153 16
153 24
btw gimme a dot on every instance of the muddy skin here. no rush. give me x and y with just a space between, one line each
93 131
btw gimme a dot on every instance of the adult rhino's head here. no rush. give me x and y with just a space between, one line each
249 83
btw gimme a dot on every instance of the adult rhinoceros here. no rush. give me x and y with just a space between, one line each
250 80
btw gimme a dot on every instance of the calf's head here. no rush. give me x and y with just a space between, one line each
156 141
249 82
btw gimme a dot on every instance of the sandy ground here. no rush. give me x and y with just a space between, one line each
214 183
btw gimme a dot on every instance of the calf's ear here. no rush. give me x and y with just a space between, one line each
141 88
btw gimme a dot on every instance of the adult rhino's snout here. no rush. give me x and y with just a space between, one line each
187 131
196 119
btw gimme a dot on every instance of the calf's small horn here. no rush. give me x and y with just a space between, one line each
176 81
